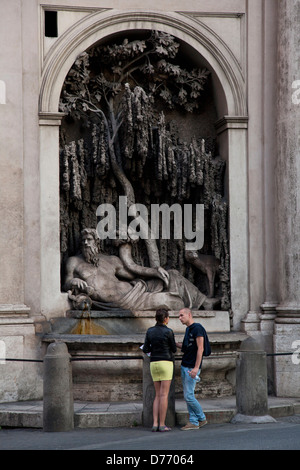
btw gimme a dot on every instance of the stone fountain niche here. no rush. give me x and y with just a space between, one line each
139 122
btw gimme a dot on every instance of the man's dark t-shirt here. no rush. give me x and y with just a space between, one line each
189 345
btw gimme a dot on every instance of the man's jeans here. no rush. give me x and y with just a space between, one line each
194 407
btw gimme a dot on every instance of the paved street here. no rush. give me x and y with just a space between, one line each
282 435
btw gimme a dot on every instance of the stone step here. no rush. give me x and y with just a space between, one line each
29 414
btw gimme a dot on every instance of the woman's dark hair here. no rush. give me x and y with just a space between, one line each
161 315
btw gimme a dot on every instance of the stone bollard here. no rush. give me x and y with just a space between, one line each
251 385
149 395
58 406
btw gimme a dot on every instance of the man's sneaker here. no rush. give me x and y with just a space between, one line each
202 423
189 427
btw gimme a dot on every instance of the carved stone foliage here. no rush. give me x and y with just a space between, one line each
126 103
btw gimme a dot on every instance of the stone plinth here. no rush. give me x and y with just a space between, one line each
58 407
251 384
19 380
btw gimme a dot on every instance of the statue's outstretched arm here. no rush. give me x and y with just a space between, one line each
125 253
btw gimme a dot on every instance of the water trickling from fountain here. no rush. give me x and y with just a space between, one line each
86 326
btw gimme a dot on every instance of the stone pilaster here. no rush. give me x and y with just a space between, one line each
11 161
287 323
288 160
53 303
232 133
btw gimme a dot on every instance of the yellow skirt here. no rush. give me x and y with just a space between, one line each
161 370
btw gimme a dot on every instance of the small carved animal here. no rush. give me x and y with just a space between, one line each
207 264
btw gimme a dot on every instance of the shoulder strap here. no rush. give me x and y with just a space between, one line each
207 348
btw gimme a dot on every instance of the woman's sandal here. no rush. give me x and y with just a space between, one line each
164 429
154 428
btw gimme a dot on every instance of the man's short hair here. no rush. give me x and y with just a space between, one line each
186 310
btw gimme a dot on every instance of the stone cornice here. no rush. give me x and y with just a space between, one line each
231 122
50 119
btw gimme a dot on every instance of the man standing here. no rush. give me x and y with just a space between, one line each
192 348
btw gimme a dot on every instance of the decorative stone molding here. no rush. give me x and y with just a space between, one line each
50 119
231 122
268 314
14 309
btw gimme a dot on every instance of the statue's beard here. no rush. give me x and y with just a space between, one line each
90 254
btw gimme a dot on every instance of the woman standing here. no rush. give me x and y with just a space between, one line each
160 342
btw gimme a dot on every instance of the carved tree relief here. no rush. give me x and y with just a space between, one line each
122 135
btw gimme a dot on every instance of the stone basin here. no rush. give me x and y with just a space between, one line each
123 322
119 378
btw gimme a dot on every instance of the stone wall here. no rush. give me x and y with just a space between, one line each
237 40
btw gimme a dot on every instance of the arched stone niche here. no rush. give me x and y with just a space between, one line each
231 128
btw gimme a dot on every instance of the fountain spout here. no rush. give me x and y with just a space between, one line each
85 325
